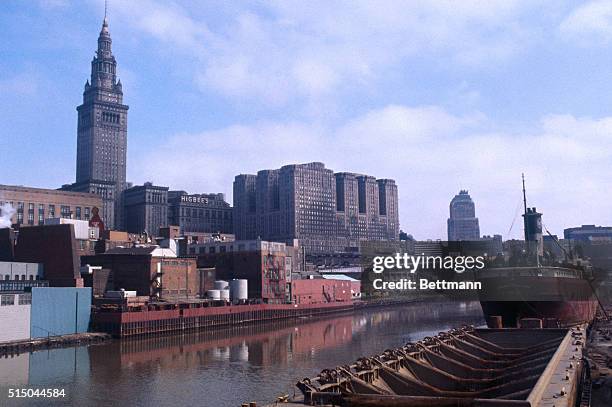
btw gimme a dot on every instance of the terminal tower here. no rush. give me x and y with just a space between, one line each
102 135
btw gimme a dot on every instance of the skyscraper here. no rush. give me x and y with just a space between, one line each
326 212
463 223
102 134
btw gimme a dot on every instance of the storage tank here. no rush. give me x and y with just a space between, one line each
221 285
214 294
225 294
239 289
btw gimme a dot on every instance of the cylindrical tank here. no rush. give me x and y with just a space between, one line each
225 294
239 289
214 294
221 285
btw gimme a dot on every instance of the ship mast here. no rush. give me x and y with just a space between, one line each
524 206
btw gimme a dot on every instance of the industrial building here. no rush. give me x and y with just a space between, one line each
57 247
266 265
45 311
151 271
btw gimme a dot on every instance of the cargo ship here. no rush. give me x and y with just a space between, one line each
558 293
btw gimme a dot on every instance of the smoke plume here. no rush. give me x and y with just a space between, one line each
6 213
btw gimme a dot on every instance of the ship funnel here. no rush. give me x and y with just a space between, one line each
533 232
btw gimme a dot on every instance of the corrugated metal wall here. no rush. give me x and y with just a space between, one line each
60 310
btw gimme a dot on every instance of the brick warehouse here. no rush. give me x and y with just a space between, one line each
266 265
140 269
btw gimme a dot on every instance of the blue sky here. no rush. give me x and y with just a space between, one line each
437 95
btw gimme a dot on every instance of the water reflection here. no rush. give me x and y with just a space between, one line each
229 366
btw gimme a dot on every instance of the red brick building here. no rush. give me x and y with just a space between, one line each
266 265
140 269
317 291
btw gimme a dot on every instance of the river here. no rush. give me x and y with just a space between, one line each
225 367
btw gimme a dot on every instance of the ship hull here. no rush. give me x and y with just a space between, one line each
557 295
566 313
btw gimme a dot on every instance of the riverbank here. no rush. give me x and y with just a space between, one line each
29 345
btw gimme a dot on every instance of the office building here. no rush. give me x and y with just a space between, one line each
32 206
146 208
326 212
102 135
463 223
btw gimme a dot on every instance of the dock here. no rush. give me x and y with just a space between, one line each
29 345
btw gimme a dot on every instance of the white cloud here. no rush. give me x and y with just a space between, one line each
281 51
430 152
590 22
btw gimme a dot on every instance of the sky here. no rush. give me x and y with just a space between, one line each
438 95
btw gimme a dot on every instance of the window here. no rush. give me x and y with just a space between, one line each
51 211
86 213
78 212
25 299
7 300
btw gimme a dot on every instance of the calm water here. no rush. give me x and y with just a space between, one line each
224 368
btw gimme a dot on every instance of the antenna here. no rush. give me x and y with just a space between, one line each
105 8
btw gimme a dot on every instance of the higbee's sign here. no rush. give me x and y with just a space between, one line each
194 199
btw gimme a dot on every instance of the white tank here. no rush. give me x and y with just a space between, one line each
214 294
221 285
225 294
239 289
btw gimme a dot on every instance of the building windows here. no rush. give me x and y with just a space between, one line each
87 213
65 211
7 299
78 212
51 211
31 218
41 214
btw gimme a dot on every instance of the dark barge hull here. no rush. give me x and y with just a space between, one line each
563 313
561 295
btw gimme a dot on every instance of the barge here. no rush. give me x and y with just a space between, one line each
171 317
461 367
120 319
